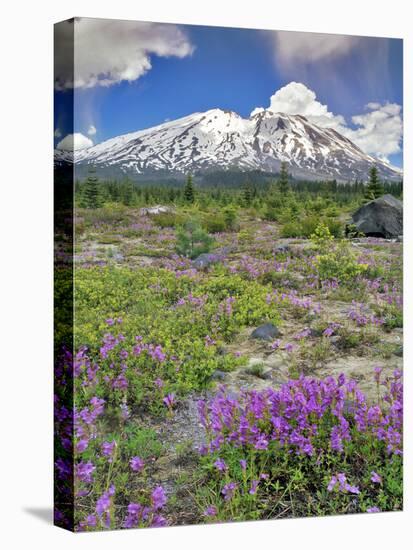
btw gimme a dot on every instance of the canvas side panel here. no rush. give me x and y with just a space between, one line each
63 278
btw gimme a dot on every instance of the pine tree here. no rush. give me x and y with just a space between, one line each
127 193
247 194
283 183
374 187
189 191
91 192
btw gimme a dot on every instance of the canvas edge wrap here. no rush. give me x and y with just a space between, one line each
63 297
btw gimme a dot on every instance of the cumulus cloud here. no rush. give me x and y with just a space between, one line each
297 99
74 142
378 131
306 47
91 130
109 51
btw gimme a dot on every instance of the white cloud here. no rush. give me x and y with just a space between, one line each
307 47
297 99
378 131
91 130
110 51
74 142
57 133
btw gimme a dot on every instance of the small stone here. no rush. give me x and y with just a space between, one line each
282 249
205 260
267 331
398 352
218 375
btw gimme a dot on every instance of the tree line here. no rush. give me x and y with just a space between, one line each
93 193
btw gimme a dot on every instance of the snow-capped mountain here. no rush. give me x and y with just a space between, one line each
222 140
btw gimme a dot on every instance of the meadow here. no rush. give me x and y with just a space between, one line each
183 414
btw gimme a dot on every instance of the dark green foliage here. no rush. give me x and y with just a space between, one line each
192 240
189 192
91 194
231 218
374 187
283 183
247 193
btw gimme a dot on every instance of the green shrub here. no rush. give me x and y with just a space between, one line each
168 219
192 240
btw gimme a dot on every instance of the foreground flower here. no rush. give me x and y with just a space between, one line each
108 449
375 478
228 490
103 505
373 510
136 463
84 471
210 511
340 481
220 465
169 400
254 486
158 498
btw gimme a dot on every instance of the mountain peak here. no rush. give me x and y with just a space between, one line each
220 139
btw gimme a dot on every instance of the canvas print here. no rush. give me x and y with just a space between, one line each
228 274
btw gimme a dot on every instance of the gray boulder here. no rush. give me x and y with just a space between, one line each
155 210
267 331
382 217
203 261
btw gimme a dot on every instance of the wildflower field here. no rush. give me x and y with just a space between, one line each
182 413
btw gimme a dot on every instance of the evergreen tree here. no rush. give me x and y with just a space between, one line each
283 183
127 193
91 194
374 187
247 194
192 240
189 191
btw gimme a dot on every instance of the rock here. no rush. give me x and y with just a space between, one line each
218 375
267 331
316 332
205 260
398 352
382 217
257 368
282 249
335 340
154 210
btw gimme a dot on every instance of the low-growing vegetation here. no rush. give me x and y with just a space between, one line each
182 415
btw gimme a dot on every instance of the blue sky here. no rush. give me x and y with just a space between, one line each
198 68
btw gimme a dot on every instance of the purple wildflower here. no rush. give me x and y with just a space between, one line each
210 511
84 471
254 486
220 465
108 448
158 498
103 503
169 400
228 490
375 477
136 463
276 344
